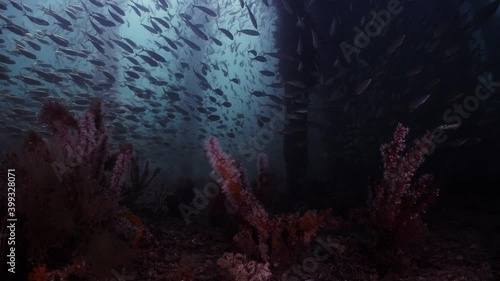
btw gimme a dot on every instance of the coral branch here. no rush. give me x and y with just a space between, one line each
240 198
118 171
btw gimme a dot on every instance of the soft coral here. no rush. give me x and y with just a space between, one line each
279 237
398 204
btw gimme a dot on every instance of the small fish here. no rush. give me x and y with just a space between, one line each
260 58
97 3
116 17
258 93
38 21
249 32
333 27
123 45
59 40
16 5
103 21
458 142
191 44
418 102
29 80
196 30
136 10
169 42
149 60
488 11
33 45
214 117
300 22
216 41
449 126
206 10
267 73
25 53
315 40
362 86
396 44
161 21
286 6
297 84
276 85
116 8
150 29
252 17
299 46
141 7
226 32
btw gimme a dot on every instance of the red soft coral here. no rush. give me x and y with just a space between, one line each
278 238
398 204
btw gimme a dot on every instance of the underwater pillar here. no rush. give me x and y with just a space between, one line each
295 67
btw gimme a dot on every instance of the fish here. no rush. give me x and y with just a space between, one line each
486 12
396 44
315 39
249 32
196 30
155 55
97 3
252 17
116 17
300 22
267 73
226 32
116 8
362 86
136 10
59 40
170 42
141 7
260 58
191 44
333 27
206 10
29 80
216 41
16 5
123 45
296 83
19 30
36 20
25 53
418 102
287 7
148 60
161 21
213 117
150 29
258 93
